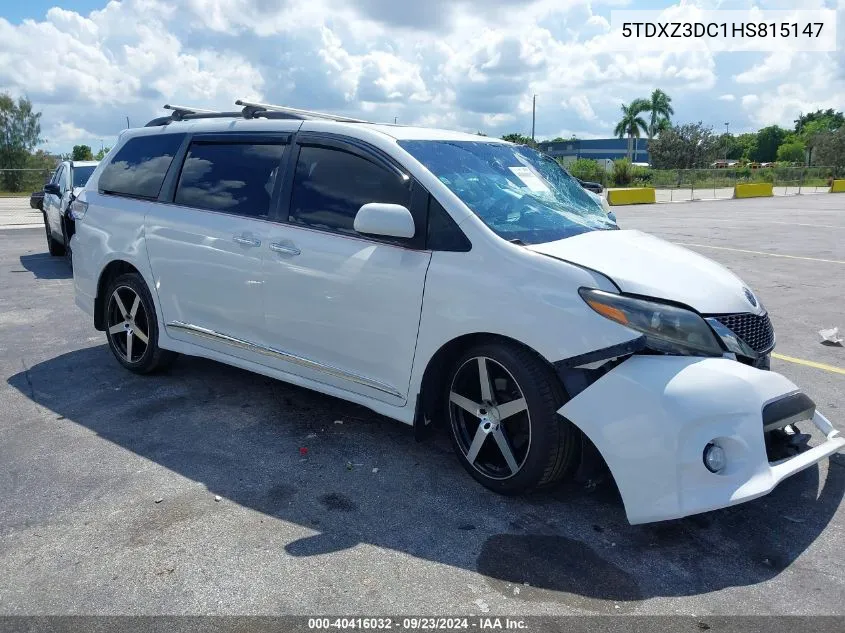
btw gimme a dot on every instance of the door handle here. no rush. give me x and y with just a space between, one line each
284 249
246 241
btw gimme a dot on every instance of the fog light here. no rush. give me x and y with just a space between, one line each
714 458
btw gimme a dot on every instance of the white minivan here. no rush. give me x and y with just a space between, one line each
441 277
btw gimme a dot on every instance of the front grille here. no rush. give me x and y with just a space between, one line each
754 329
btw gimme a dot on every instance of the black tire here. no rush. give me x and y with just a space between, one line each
66 238
55 247
126 340
544 454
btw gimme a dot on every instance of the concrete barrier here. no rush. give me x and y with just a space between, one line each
838 186
642 195
754 190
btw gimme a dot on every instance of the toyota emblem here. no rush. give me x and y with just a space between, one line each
750 296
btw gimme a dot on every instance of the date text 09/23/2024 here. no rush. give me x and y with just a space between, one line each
482 623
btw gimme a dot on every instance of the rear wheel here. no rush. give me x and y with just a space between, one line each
132 326
54 246
502 402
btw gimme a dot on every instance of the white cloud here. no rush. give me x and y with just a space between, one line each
773 67
468 64
582 106
750 101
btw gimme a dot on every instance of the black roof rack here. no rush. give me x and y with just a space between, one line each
250 110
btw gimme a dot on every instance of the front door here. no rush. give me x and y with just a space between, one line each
53 204
207 248
341 307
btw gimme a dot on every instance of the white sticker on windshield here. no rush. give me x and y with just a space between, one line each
529 179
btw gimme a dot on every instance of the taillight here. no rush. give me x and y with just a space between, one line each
78 209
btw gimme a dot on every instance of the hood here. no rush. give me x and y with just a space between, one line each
642 264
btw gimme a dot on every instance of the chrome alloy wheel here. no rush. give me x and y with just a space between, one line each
490 419
128 329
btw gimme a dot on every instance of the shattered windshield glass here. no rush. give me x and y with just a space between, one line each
521 194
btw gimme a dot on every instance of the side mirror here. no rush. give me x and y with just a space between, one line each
52 189
389 220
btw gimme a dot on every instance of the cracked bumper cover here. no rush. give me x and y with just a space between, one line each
651 418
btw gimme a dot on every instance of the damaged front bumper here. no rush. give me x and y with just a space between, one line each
652 417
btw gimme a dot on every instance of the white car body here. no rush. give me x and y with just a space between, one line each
363 320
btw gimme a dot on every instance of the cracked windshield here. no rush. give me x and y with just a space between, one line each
522 195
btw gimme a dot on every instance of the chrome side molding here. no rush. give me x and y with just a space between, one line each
285 356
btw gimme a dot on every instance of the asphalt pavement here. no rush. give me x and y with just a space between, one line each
208 489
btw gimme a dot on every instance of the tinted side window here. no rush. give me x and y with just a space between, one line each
331 185
231 177
59 179
138 169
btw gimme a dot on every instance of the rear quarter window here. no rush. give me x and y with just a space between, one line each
139 167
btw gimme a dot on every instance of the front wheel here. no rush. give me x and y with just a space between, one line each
55 247
66 236
132 326
502 403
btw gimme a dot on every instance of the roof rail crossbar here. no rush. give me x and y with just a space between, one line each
185 113
253 109
250 110
180 112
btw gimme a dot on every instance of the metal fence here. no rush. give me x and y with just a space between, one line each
709 184
23 181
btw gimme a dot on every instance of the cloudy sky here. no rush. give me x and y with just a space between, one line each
461 64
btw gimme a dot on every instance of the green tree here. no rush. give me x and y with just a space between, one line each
631 123
82 152
622 172
768 141
791 152
20 132
660 107
812 130
41 165
105 150
587 169
824 120
744 147
684 147
519 139
830 149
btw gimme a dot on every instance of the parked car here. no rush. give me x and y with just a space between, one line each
439 277
36 200
67 181
595 187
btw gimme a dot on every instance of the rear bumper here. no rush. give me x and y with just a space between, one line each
651 418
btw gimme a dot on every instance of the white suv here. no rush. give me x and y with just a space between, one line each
435 276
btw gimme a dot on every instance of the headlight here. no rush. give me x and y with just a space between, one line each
667 328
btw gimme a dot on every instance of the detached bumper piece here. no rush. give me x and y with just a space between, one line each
656 419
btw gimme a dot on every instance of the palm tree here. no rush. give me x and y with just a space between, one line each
632 123
660 106
663 124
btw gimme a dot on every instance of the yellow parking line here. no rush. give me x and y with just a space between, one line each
809 363
741 250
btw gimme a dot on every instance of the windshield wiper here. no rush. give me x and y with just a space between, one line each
517 241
